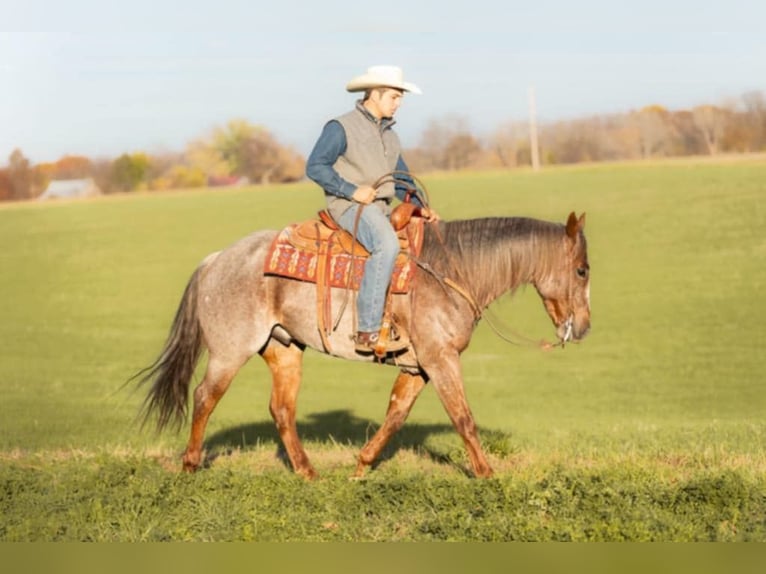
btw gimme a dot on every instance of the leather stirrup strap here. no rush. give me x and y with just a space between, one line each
385 328
321 291
327 296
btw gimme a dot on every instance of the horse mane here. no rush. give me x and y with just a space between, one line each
495 254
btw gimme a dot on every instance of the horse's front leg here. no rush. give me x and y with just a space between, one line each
286 370
406 389
447 379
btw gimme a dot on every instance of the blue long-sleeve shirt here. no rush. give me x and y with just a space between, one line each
328 148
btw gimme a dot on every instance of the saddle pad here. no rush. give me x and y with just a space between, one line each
286 260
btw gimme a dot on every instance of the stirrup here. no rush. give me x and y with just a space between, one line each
370 343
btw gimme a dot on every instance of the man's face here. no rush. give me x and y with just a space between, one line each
385 101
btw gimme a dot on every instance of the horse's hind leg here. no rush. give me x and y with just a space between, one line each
217 379
286 369
406 389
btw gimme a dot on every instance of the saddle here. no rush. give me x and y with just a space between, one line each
319 251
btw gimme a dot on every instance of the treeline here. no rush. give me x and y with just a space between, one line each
241 151
237 152
738 126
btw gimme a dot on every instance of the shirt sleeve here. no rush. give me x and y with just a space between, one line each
319 167
407 184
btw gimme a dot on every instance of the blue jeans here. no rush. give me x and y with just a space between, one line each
379 238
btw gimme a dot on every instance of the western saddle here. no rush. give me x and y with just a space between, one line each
320 250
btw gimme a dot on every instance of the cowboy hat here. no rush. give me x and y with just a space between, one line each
382 77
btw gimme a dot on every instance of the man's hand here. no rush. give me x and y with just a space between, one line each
429 215
364 194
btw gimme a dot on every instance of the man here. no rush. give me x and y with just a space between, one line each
353 152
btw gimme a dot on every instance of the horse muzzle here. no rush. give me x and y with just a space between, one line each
571 330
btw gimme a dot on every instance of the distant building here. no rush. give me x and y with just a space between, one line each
70 189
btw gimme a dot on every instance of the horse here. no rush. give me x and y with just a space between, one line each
234 310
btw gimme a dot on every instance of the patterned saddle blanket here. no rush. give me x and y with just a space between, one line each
317 250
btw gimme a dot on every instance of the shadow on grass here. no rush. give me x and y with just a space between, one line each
340 427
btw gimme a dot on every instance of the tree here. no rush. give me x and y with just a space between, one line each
461 151
179 177
231 140
258 157
505 142
754 117
418 160
655 131
201 155
72 167
711 122
102 175
6 193
19 175
291 166
575 141
689 139
252 151
128 172
449 144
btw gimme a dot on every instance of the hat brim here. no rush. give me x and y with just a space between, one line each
366 82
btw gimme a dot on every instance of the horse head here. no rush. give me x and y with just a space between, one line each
565 290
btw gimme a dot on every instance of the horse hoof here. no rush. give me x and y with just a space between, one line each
190 466
488 473
308 474
360 473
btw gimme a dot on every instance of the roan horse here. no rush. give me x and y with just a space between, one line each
236 311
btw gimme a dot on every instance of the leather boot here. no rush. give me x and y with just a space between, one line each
366 342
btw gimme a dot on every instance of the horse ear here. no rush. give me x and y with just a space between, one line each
574 225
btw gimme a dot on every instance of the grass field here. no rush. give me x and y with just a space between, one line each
652 429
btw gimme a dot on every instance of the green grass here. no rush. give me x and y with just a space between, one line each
651 429
107 498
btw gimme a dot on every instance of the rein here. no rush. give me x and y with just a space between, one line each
464 292
486 314
526 341
419 190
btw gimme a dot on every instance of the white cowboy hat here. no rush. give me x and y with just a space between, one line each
380 77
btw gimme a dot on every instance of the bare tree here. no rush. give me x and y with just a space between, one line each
449 144
432 142
755 118
505 142
575 141
461 151
711 122
265 161
654 129
418 160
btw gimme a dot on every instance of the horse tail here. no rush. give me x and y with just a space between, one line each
173 370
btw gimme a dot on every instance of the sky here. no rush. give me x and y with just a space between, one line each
105 78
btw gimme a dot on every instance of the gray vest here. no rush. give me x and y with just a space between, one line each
372 151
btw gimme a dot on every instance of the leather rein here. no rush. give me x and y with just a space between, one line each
419 191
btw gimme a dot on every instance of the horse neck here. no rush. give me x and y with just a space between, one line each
493 255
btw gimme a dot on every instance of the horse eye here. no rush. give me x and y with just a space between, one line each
582 272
